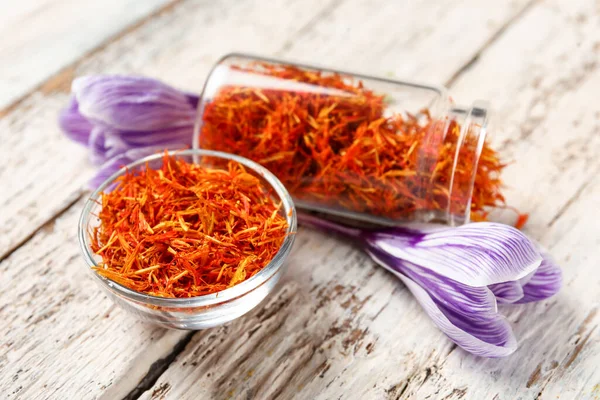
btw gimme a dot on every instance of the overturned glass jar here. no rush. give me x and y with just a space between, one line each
360 147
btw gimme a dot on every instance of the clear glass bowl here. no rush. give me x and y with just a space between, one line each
203 311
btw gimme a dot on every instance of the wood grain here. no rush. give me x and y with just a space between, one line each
422 41
61 337
546 119
45 36
338 326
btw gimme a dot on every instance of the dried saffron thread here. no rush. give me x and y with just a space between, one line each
346 151
187 230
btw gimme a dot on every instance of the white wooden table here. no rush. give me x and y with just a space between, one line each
338 326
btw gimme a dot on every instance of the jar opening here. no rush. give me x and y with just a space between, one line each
473 129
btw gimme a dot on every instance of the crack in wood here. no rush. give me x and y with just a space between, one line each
578 349
283 301
327 294
535 376
579 345
403 390
297 368
589 318
157 368
491 40
456 394
324 367
428 373
452 348
572 199
44 225
161 390
225 382
394 393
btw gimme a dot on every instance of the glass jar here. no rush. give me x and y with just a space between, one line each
360 147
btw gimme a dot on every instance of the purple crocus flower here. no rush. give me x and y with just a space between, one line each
458 275
123 118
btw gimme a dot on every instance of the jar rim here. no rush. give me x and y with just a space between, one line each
475 121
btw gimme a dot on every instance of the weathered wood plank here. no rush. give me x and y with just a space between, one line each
57 325
423 41
578 330
547 119
41 173
47 35
559 339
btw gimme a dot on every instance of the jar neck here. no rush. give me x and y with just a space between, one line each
472 122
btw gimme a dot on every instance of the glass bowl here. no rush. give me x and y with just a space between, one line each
202 311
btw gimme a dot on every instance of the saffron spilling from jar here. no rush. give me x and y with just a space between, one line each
339 146
187 230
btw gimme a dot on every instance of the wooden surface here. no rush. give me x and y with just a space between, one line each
337 326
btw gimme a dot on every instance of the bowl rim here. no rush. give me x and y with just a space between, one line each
222 296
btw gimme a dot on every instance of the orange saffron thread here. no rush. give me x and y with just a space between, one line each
186 230
347 151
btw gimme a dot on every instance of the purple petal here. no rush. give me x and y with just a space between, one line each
523 281
468 315
123 159
507 343
477 254
507 292
133 103
545 282
164 136
73 124
97 146
193 99
106 143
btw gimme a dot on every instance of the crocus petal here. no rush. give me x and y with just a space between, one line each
464 339
97 146
507 292
104 144
119 161
181 134
132 103
468 315
545 282
73 124
477 254
523 281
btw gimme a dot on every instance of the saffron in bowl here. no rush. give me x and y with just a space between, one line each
179 236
